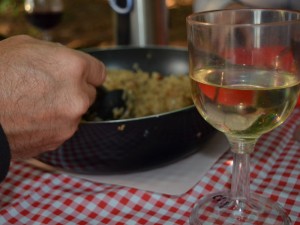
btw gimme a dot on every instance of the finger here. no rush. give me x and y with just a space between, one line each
94 69
91 91
95 73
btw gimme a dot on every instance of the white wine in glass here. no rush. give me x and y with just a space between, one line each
244 72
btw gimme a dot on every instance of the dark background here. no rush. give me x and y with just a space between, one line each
88 23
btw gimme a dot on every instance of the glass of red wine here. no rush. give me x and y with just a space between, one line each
44 14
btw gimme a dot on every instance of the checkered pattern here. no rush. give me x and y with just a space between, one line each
32 196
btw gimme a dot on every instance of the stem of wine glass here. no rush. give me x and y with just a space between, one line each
240 176
240 184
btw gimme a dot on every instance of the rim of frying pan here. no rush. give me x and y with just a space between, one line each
143 117
92 49
187 108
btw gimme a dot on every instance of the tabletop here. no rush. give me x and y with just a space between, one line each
33 196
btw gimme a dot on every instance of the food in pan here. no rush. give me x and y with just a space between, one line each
148 93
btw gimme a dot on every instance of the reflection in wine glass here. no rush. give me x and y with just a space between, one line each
44 14
245 82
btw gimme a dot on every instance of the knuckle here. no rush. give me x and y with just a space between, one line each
78 63
79 106
65 133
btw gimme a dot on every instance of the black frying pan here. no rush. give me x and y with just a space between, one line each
123 146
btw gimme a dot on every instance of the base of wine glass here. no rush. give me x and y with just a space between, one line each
220 208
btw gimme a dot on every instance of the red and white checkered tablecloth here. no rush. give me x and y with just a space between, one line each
32 196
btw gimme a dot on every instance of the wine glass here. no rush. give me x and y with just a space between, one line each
245 82
44 14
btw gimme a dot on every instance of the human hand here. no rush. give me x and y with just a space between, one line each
45 88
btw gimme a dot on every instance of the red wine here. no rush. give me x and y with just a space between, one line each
44 20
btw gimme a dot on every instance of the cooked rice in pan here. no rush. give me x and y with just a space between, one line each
150 94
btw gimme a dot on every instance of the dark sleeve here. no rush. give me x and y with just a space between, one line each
5 155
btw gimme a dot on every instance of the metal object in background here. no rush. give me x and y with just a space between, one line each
140 22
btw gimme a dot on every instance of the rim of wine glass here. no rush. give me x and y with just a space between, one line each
192 18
